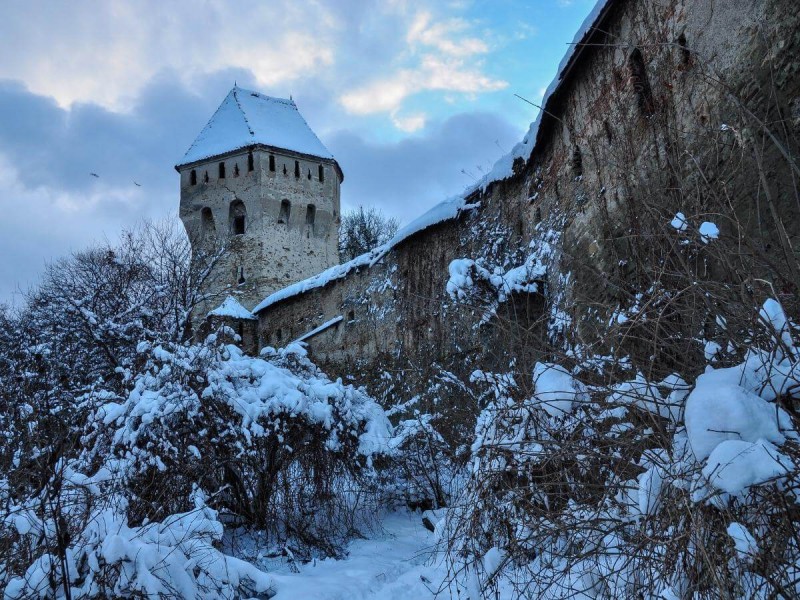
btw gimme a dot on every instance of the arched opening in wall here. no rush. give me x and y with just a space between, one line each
309 174
251 163
238 217
297 169
241 279
284 169
641 86
207 227
286 209
193 177
222 170
351 316
311 214
205 177
235 169
321 173
272 162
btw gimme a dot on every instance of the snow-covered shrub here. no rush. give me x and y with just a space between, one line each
278 445
609 491
206 436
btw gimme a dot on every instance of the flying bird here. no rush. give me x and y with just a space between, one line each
95 175
137 184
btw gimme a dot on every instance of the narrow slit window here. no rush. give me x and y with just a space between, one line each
279 335
251 163
321 173
284 169
272 162
286 209
297 169
193 177
241 276
309 174
205 177
311 214
577 163
222 170
641 86
686 55
235 169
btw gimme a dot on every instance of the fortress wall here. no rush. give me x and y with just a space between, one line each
604 151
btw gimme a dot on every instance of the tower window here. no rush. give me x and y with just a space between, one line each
238 217
309 174
286 209
207 227
251 164
193 177
235 169
222 170
297 169
241 279
205 177
272 162
284 168
321 173
311 214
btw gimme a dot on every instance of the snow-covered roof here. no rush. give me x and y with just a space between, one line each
444 211
452 207
231 308
247 118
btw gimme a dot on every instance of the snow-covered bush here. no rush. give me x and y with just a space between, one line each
206 436
609 491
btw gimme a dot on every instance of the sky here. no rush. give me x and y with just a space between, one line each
415 99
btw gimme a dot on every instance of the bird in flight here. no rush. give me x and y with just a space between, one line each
137 184
95 175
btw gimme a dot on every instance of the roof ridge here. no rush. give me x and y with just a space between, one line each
241 110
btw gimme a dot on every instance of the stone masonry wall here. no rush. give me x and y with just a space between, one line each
661 100
274 251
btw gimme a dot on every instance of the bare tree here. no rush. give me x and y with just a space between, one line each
362 230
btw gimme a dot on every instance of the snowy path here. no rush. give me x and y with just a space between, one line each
389 566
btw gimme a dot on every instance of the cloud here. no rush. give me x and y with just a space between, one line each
405 178
53 205
442 57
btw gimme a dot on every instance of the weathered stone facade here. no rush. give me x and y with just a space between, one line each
291 220
659 98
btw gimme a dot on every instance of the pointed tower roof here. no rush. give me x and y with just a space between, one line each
247 118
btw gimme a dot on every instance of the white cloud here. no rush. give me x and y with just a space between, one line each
442 57
409 123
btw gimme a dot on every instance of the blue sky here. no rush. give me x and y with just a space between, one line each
415 99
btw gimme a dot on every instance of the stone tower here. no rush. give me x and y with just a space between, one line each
260 193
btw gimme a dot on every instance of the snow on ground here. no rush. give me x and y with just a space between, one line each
393 564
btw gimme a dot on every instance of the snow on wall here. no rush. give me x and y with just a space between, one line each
452 207
245 118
